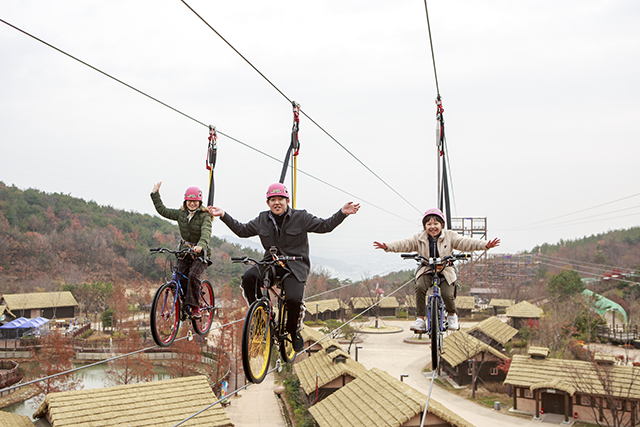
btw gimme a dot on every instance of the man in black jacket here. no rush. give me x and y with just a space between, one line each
286 229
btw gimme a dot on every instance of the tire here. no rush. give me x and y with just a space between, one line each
284 340
256 342
207 303
165 315
434 332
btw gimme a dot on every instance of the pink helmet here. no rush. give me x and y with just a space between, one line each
193 193
277 189
435 211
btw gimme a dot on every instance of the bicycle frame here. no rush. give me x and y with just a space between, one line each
435 294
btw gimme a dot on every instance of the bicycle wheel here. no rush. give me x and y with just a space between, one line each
165 315
434 332
206 302
284 340
256 342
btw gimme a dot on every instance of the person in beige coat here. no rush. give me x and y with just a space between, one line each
433 242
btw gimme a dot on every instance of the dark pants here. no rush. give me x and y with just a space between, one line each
193 269
447 291
293 295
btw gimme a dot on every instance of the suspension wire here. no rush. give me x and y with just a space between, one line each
305 349
102 72
203 124
586 273
301 111
584 210
433 57
584 263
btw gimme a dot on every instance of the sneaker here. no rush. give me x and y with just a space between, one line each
195 312
298 342
419 325
452 319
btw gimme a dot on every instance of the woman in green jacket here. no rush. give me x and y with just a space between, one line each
194 222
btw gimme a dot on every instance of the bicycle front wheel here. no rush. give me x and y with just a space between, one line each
284 340
165 315
206 302
435 331
256 342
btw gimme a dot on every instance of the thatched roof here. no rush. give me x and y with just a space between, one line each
459 347
329 364
496 329
574 376
524 309
377 399
410 301
365 302
12 420
157 403
312 335
466 303
495 302
4 309
540 352
39 300
321 306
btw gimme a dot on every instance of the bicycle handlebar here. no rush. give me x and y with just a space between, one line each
187 251
449 259
247 260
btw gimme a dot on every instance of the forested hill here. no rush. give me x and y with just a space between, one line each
48 239
617 248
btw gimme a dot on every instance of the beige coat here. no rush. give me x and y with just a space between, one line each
447 242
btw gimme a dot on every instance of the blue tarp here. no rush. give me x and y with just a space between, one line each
20 326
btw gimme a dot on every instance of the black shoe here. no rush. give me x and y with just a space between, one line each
298 343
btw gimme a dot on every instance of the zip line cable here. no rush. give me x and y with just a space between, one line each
595 265
305 114
207 126
433 57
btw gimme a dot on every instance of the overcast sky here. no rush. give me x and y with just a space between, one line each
541 98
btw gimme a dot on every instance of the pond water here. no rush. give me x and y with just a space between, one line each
92 377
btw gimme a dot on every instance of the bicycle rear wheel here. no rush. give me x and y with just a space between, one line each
434 332
285 341
206 302
256 342
165 315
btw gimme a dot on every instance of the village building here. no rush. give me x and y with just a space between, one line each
376 398
522 312
51 305
465 305
6 315
459 352
386 308
326 371
578 390
13 420
500 305
314 341
325 309
165 402
494 332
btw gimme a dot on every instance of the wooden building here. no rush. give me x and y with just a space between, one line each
460 350
500 305
494 332
521 312
325 309
51 305
591 392
465 305
375 398
165 402
386 308
327 371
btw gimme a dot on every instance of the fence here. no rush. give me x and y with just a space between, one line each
619 334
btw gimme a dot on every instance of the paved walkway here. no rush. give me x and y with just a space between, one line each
390 353
256 406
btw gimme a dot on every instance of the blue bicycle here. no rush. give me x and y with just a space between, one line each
168 308
436 319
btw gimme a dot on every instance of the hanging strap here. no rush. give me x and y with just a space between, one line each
292 151
212 152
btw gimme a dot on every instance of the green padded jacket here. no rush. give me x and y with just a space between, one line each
197 231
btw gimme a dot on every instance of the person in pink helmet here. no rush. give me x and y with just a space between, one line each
194 222
432 242
285 229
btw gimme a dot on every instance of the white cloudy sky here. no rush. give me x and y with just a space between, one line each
541 98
